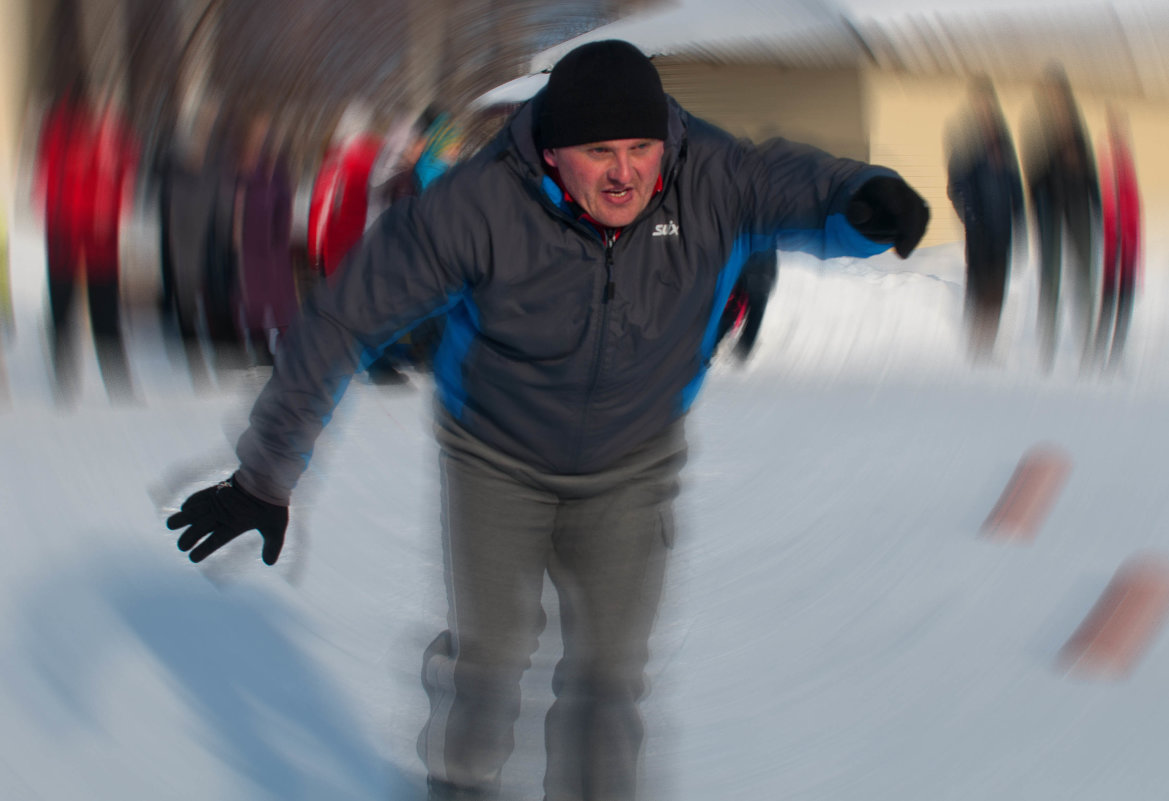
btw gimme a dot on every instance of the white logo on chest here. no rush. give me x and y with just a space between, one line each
666 229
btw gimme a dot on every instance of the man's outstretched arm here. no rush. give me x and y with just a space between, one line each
385 287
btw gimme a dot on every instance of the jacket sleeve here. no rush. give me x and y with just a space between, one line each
401 273
799 194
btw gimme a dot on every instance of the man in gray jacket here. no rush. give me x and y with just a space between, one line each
583 260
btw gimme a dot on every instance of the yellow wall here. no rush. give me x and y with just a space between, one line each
821 107
907 119
1149 122
908 116
13 83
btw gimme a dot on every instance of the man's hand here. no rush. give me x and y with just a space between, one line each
217 515
887 210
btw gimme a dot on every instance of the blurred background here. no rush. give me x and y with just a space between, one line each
176 175
213 118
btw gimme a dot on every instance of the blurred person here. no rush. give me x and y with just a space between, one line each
347 185
267 285
340 194
62 164
986 190
583 260
222 309
113 176
401 147
433 148
1121 213
442 142
163 166
153 67
425 151
748 301
86 160
189 184
1065 196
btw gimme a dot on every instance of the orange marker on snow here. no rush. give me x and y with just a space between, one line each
1123 622
1029 494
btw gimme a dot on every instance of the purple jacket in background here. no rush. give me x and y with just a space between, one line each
267 285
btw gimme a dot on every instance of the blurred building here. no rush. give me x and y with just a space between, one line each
880 79
314 56
875 79
299 62
14 58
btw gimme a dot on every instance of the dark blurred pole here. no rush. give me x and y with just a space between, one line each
63 50
153 34
421 69
153 47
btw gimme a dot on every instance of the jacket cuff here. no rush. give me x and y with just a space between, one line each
255 485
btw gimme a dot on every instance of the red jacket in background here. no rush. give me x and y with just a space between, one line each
85 167
339 202
115 158
63 162
1121 210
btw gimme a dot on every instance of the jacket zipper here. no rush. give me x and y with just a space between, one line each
609 239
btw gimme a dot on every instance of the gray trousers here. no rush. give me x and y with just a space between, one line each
602 539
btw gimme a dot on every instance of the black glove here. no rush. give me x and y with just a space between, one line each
887 210
223 512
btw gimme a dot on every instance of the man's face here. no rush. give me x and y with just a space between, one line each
613 180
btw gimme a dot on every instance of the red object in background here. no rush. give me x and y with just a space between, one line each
115 156
1122 624
63 159
1029 495
1121 210
85 167
339 202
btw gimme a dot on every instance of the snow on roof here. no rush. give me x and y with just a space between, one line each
727 26
1114 45
515 91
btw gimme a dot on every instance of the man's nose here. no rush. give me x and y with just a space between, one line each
621 170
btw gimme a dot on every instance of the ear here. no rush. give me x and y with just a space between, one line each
550 158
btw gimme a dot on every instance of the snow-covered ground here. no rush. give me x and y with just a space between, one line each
835 626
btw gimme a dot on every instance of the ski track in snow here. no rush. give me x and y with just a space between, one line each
834 626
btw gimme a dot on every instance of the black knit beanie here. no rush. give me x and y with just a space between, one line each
600 91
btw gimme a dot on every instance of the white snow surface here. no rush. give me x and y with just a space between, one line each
835 624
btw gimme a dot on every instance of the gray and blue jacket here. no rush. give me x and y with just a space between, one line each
563 347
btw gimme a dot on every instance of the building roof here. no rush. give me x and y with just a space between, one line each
1112 46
